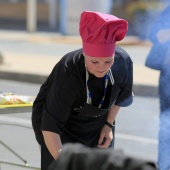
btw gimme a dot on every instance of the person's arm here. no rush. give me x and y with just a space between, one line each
53 143
112 113
106 135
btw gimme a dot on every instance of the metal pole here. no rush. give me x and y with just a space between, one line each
31 15
63 17
52 14
12 151
18 165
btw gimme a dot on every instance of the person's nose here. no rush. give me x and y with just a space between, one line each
101 67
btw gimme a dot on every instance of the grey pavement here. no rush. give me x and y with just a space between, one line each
30 57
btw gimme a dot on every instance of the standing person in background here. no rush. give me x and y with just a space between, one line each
79 101
159 59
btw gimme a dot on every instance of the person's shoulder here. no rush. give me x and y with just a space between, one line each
122 64
122 58
71 63
73 56
121 53
70 60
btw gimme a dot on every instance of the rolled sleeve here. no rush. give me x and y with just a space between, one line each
49 123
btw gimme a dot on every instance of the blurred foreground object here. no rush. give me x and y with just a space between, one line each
159 59
78 156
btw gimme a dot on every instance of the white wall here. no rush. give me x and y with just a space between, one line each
75 7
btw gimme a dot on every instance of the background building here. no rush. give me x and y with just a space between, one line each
62 16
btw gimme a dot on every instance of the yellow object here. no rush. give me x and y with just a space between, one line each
10 100
15 105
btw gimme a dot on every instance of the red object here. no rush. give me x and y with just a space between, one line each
99 32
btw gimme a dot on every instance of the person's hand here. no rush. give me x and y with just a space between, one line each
106 136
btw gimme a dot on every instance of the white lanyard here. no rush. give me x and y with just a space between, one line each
89 97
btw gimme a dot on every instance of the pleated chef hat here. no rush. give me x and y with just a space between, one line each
99 32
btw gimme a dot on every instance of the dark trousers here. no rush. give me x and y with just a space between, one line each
46 157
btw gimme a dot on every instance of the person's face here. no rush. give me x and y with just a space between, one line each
98 66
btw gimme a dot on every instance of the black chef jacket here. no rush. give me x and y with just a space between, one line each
64 92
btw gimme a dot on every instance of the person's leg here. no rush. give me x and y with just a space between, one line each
164 141
46 157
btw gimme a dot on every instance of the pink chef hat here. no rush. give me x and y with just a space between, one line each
99 32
